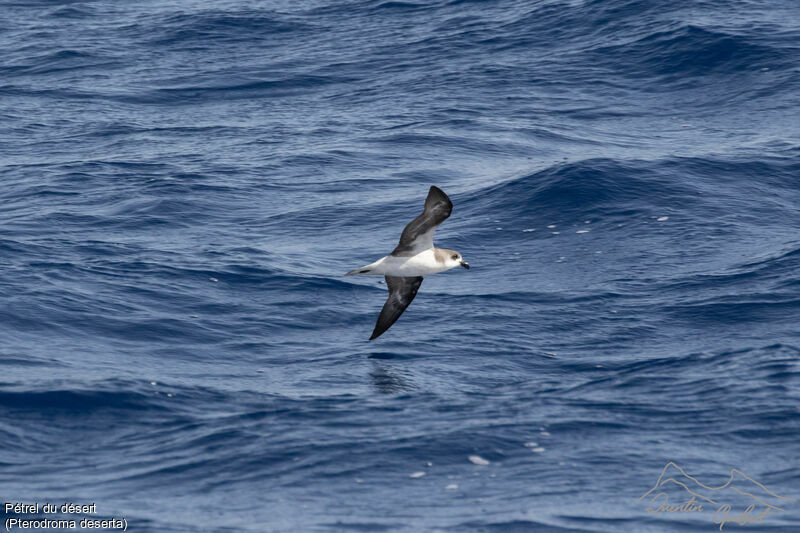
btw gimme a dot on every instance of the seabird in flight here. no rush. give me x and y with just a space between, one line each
413 258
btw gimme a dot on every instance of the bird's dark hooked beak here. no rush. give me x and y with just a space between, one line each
465 264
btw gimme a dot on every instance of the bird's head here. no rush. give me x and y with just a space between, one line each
454 259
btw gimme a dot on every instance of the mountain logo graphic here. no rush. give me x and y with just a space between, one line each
741 499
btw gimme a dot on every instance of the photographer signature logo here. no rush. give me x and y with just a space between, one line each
741 500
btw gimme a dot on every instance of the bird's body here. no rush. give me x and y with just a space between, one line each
430 261
413 258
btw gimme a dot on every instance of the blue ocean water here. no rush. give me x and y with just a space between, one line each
184 184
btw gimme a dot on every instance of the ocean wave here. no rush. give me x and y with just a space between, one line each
689 50
111 395
200 28
594 187
59 61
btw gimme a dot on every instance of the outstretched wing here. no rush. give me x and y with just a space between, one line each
418 234
401 292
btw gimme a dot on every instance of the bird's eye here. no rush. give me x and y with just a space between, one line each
454 257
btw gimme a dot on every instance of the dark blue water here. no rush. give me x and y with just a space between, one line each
184 184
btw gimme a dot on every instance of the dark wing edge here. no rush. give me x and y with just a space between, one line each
402 291
437 208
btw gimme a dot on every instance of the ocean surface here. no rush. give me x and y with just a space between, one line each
183 185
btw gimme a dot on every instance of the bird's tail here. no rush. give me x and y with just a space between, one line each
362 270
367 269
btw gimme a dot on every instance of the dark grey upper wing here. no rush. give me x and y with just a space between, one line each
401 292
418 234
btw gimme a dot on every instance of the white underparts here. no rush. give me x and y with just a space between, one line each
422 264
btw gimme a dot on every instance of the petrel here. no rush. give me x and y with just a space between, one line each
413 258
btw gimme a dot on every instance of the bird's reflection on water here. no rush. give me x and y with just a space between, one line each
387 380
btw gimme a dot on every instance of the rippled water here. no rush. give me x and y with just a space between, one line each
185 183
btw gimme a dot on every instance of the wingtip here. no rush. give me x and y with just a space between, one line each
436 190
435 194
377 332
